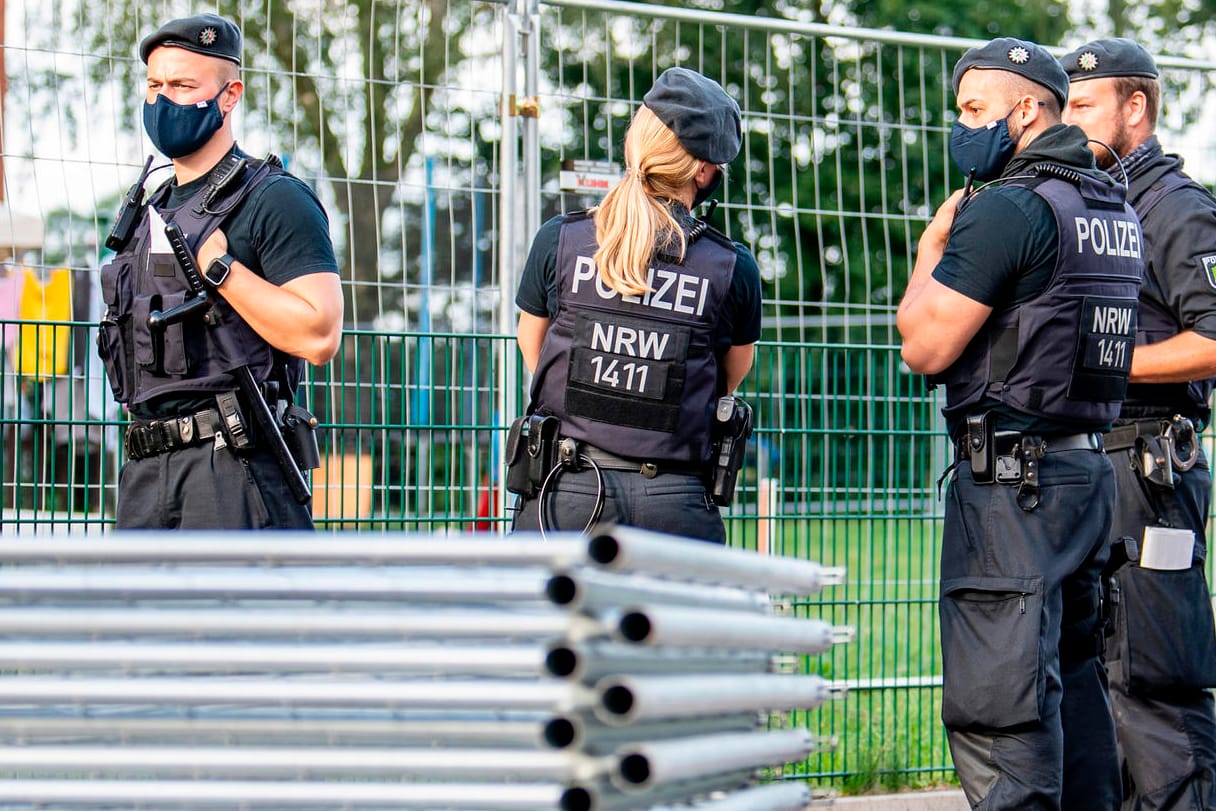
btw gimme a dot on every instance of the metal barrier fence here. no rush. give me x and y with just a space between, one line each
491 116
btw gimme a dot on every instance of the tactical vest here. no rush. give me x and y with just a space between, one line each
1065 354
1158 323
635 375
196 354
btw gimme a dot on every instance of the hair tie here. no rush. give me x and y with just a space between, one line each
638 173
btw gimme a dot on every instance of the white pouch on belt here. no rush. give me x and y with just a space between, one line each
1167 548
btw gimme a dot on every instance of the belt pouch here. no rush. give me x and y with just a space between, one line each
979 447
531 453
516 455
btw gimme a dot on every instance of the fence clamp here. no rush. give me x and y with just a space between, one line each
524 106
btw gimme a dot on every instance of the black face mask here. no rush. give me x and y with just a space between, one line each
986 149
178 130
704 194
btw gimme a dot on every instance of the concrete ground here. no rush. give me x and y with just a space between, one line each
911 801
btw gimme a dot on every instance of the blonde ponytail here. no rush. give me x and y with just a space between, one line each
634 220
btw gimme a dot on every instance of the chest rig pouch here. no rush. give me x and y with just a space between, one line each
146 354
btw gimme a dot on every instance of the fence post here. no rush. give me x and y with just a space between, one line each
521 22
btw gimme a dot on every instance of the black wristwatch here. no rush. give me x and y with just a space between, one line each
218 270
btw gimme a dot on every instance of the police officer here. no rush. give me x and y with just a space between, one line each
1161 645
1022 303
636 318
196 457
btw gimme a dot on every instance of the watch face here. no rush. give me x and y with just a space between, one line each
217 271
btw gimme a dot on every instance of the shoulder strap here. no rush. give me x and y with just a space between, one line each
575 216
1155 193
229 183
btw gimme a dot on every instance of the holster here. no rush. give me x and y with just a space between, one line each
731 428
299 429
531 452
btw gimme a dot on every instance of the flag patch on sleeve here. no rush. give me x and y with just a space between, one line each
1209 268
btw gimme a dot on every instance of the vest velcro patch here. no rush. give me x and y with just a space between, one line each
617 363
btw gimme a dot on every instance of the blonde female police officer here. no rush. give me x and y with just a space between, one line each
636 318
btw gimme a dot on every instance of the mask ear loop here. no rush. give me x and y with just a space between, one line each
1115 155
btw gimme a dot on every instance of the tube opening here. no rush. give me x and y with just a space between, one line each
603 549
576 799
635 769
561 662
561 589
617 700
560 733
635 626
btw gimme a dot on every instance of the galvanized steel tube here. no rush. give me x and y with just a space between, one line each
492 728
674 625
628 699
256 793
594 592
594 737
657 763
440 584
233 657
602 795
785 796
589 661
232 691
279 548
203 762
628 549
296 621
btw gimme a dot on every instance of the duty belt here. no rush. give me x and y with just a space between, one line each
1161 445
1047 444
154 437
1012 458
225 424
610 461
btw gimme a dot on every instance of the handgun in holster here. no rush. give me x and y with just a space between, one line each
531 452
731 428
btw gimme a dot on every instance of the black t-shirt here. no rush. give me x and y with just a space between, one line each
738 323
280 231
1002 266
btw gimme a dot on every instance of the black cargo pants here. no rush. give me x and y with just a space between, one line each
1160 642
201 487
1024 698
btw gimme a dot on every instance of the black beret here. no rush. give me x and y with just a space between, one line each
207 34
1018 56
704 118
1108 57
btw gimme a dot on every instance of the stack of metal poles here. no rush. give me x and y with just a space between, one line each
619 670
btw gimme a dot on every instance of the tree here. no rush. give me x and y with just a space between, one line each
348 84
